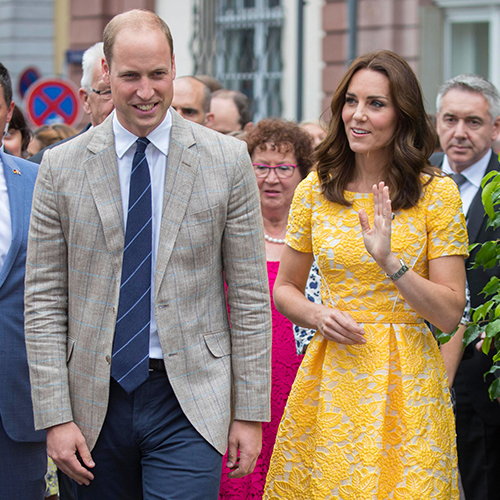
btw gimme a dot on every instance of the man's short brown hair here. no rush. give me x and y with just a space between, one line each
137 19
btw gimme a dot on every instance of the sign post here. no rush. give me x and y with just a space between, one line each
53 100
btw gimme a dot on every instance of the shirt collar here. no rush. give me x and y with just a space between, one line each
159 137
475 173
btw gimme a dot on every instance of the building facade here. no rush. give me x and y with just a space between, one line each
287 55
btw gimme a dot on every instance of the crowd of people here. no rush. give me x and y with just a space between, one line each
197 306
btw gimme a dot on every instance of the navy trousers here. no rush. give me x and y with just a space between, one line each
148 449
22 468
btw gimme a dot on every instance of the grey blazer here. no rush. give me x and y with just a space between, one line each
211 229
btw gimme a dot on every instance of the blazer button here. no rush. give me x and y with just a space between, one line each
163 306
108 360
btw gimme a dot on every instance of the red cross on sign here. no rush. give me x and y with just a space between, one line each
53 100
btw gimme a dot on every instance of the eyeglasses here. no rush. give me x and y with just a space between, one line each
282 171
105 95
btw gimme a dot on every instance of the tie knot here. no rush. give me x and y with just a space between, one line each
142 144
459 179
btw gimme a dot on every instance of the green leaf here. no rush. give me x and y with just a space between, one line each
482 311
496 357
442 337
494 390
486 254
492 370
486 345
488 200
491 287
488 176
471 333
492 328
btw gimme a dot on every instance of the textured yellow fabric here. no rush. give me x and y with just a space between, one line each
372 421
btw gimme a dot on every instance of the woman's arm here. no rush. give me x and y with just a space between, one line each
439 299
290 300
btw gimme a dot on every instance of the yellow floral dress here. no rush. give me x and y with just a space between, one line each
370 421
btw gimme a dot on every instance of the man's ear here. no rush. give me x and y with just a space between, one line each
105 71
209 120
173 67
248 127
11 110
84 99
496 129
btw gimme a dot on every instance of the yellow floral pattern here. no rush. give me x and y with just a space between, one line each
370 421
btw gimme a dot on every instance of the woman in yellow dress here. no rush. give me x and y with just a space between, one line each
369 415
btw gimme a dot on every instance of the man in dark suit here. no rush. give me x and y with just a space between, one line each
468 122
23 460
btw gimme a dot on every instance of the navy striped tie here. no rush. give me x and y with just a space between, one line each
130 365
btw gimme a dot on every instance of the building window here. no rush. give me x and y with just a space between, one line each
249 55
471 35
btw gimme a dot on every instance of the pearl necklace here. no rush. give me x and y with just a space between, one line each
274 240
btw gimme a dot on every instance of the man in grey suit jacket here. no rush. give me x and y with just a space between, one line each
209 379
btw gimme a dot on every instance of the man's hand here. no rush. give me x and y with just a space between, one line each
63 442
245 437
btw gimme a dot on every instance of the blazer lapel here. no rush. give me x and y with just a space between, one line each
476 219
20 205
102 172
182 168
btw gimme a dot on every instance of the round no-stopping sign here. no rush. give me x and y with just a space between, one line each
53 100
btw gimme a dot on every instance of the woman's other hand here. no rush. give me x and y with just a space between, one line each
340 327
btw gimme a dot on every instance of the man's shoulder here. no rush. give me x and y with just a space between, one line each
185 131
19 166
85 144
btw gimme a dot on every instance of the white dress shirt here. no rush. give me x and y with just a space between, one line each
156 155
473 175
5 220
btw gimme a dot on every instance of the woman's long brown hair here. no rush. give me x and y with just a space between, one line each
412 144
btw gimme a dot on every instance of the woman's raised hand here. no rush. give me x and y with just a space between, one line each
377 239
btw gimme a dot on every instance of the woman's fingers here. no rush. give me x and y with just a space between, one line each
340 327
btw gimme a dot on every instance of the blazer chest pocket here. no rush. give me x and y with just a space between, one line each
219 343
205 217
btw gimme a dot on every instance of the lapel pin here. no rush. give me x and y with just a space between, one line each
18 172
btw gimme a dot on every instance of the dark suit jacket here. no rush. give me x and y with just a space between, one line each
16 409
475 364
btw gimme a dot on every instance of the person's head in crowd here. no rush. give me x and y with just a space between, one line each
232 111
281 154
6 102
49 134
95 95
192 100
468 119
210 82
316 129
141 97
397 129
18 135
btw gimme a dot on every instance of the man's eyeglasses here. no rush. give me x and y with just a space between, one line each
282 171
105 95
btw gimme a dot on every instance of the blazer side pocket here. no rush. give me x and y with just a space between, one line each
219 343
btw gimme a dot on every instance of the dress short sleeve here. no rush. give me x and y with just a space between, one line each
446 229
298 234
